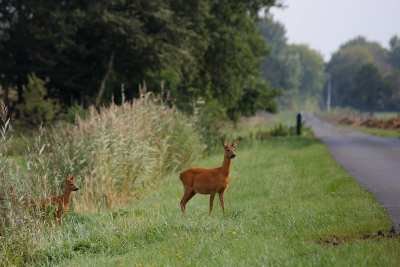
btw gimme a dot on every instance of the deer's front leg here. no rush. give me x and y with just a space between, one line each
221 198
212 195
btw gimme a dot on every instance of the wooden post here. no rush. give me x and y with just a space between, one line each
298 126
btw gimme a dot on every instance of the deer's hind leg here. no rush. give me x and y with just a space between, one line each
212 195
189 193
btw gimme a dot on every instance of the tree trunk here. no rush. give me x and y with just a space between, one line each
103 82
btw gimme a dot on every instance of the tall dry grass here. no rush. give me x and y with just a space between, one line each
120 151
21 226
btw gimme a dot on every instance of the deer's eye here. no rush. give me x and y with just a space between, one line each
72 184
228 150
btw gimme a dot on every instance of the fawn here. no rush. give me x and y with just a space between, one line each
209 181
63 200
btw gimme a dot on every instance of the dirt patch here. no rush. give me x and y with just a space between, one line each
387 124
332 240
337 240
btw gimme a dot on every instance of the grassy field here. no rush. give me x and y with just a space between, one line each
374 131
288 203
249 127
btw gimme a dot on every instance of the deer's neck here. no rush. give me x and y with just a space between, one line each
226 166
66 198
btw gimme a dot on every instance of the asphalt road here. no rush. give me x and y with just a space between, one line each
373 161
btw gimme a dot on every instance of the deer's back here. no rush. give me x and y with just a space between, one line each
204 181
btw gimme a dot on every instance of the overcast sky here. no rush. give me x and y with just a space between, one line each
326 24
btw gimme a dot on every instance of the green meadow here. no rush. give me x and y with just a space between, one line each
288 203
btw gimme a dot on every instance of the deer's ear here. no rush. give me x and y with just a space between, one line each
224 143
74 177
68 177
235 143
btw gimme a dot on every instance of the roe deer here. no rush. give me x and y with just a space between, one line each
208 181
63 200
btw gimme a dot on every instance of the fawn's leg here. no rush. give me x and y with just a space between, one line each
221 198
58 218
212 195
59 213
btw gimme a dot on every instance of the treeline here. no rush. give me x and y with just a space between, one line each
56 53
366 76
363 74
295 68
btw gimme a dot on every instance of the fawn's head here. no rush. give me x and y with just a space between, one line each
230 150
70 183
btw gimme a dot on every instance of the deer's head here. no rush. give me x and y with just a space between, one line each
70 183
230 150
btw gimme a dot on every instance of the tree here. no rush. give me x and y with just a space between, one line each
297 69
394 78
343 65
227 53
348 60
394 53
208 49
370 88
274 68
36 109
311 76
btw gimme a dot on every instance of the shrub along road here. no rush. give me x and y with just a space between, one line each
373 161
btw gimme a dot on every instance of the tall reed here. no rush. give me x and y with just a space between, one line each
21 226
120 151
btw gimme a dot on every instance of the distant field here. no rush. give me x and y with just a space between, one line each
249 126
382 115
374 131
288 203
379 114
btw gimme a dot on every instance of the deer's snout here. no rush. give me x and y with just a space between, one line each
233 156
76 189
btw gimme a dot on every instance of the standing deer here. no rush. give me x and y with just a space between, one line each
63 200
209 181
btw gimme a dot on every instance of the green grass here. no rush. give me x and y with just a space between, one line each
382 114
18 144
249 127
286 198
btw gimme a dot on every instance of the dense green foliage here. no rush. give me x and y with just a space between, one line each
209 49
370 88
297 69
35 109
347 62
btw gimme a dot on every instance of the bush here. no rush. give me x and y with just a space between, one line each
35 109
71 113
279 130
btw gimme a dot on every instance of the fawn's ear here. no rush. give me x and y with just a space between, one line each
224 143
68 177
74 177
235 143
